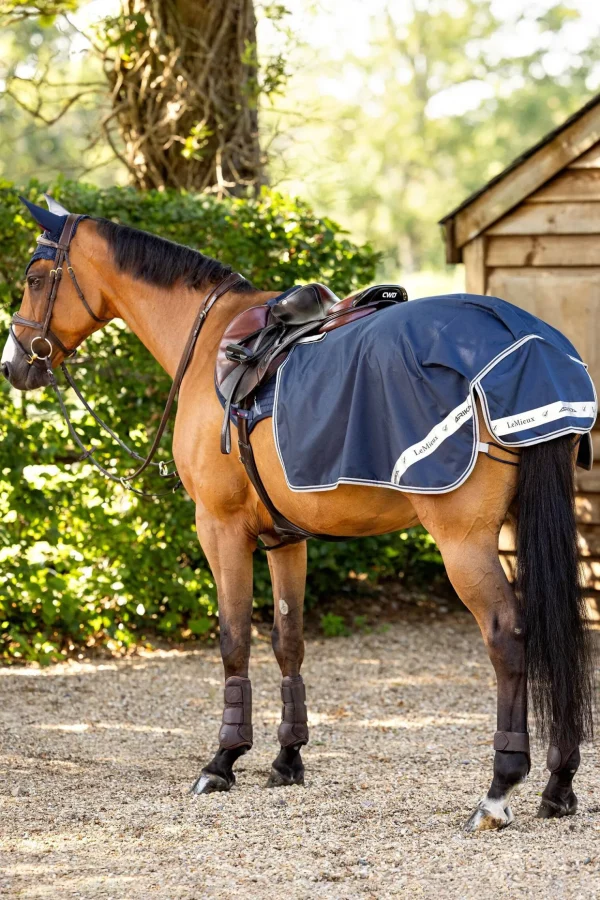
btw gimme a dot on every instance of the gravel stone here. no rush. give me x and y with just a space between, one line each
96 759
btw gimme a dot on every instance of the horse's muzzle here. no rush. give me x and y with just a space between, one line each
17 370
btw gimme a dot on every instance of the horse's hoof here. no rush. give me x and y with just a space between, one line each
208 783
284 779
489 816
550 809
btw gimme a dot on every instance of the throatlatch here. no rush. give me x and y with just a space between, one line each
236 730
294 728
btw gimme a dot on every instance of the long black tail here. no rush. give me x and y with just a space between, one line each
558 650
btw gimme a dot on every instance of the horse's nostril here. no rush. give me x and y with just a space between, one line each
5 370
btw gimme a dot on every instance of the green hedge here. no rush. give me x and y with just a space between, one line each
83 563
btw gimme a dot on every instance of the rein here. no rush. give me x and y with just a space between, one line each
47 337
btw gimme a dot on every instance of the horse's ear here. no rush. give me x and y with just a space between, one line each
49 221
55 207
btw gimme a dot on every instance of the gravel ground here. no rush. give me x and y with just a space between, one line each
96 758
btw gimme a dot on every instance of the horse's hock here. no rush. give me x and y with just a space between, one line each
532 236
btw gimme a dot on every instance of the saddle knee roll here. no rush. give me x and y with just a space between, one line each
236 729
294 718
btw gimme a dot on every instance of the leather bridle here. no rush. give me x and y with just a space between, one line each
47 336
51 340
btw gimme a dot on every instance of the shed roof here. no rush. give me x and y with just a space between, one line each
521 177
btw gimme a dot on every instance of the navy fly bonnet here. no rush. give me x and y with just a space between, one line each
52 220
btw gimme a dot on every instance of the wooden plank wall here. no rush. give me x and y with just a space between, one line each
572 142
545 257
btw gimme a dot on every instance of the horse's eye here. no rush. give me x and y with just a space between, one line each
35 283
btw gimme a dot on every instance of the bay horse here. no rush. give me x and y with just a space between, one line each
536 634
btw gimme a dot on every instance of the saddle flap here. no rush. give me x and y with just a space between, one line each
248 321
308 303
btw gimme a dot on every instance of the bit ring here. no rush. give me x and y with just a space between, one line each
35 354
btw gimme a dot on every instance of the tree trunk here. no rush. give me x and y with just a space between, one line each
184 92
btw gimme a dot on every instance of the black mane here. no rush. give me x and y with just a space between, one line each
158 261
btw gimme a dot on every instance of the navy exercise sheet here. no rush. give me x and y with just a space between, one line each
388 400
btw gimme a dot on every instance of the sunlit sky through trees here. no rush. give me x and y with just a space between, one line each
355 141
356 130
336 28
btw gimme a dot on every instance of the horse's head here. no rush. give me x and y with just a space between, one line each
58 311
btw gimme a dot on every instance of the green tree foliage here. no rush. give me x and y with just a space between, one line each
168 90
52 99
387 163
446 95
83 562
13 11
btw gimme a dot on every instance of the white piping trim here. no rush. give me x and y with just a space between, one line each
313 338
438 434
580 361
560 409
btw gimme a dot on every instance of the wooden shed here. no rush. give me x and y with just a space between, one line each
532 237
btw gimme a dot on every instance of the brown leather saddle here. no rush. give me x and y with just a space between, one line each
258 341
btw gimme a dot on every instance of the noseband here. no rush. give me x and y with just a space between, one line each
47 339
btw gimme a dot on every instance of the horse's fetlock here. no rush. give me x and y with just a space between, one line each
510 769
288 768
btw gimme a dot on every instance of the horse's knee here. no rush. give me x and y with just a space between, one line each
276 644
